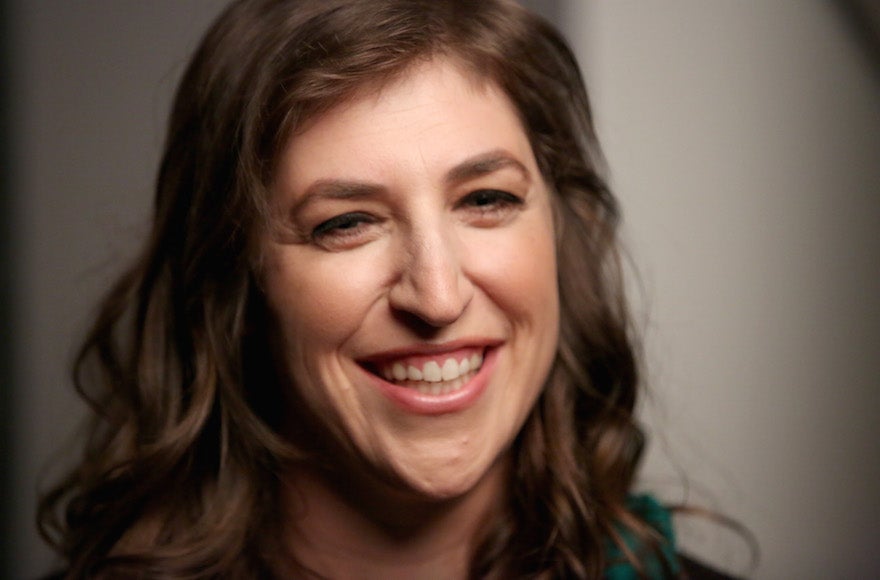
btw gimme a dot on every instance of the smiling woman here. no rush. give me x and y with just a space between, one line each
378 328
433 249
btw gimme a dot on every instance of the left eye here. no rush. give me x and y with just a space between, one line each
486 198
485 208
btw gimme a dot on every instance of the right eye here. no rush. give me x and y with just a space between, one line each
341 231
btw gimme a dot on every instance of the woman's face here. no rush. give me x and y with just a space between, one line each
411 277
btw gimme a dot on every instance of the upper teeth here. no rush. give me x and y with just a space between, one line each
432 371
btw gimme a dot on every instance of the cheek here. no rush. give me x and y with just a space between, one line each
323 299
316 305
519 270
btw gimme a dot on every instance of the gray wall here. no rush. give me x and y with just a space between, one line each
743 138
744 142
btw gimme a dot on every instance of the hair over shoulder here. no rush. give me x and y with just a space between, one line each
180 473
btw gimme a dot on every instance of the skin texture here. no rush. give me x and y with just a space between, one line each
445 243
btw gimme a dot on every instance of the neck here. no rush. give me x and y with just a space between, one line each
339 528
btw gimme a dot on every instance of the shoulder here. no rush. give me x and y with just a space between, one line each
659 517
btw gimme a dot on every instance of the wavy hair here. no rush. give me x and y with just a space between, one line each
180 474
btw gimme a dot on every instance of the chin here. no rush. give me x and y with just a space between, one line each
446 478
440 488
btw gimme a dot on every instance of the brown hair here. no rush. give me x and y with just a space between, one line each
179 478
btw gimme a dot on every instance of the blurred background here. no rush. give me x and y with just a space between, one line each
743 139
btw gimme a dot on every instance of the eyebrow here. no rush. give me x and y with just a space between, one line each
471 168
484 164
340 189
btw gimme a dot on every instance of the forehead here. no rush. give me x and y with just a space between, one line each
432 115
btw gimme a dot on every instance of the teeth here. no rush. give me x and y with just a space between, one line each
436 378
431 372
443 388
450 369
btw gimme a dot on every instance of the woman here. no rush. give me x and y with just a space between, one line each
378 328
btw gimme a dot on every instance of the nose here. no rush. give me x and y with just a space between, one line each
431 284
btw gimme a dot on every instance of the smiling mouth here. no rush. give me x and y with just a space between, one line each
431 375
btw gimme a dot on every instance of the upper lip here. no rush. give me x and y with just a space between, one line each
429 349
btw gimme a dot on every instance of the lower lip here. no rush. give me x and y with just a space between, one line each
412 401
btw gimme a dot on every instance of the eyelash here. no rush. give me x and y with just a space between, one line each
342 226
490 200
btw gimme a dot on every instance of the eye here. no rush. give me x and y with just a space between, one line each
342 231
490 206
490 198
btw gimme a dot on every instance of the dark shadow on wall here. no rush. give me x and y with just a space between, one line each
6 378
863 19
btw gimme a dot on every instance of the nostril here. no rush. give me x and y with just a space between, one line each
417 323
430 309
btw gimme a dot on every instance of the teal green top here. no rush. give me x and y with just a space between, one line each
658 517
